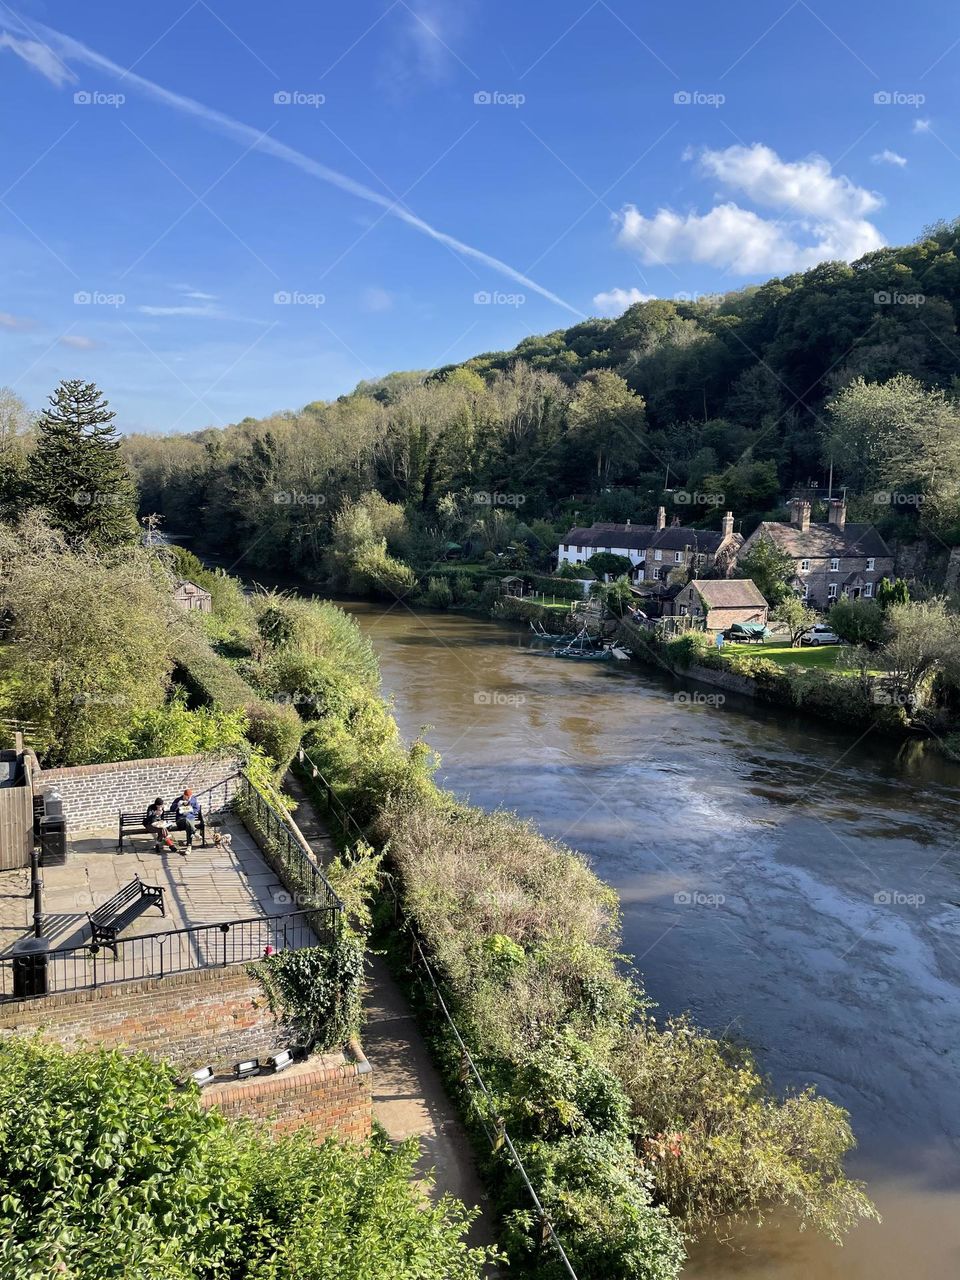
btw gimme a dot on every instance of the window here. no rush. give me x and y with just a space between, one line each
867 590
566 546
683 611
835 565
658 554
871 562
678 557
832 591
804 566
806 591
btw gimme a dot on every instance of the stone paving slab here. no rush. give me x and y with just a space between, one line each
207 886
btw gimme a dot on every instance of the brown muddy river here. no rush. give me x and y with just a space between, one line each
780 878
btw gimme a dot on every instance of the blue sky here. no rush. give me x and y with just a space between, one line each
221 210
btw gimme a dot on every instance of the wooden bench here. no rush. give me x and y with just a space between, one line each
131 824
122 909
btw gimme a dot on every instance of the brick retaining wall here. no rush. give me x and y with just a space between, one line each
93 794
210 1017
332 1098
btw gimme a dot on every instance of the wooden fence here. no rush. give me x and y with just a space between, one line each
16 815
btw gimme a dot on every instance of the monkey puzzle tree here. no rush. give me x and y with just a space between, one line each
78 475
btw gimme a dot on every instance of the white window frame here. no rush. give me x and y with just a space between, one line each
832 591
805 595
871 563
834 564
804 566
868 590
658 554
678 557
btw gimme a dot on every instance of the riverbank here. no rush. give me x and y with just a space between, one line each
770 868
806 688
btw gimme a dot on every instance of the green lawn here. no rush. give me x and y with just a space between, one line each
825 657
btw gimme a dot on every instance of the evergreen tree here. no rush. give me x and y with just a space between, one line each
79 477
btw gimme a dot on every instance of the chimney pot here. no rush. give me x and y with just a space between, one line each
662 518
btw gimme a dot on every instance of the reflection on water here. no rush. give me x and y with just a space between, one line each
780 878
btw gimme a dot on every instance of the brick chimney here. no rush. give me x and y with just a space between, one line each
800 513
727 525
662 518
838 512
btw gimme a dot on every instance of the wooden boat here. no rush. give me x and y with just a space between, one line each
541 633
583 647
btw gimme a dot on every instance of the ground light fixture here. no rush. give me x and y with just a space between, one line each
248 1068
203 1076
280 1061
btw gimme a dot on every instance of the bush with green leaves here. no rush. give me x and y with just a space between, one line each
438 594
276 729
108 1170
858 622
174 729
718 1143
316 990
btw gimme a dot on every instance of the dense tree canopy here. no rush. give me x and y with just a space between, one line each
737 399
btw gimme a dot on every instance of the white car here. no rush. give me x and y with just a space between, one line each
819 633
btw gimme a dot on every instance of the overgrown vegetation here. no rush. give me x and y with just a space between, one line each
630 1140
316 990
108 1170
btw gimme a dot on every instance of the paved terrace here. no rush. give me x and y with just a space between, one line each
208 886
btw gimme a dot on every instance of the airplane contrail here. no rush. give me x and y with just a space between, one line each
49 51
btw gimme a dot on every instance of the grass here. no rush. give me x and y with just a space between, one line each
827 657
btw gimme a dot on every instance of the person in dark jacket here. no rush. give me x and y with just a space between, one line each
186 808
155 822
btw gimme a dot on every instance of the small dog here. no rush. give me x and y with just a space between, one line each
222 840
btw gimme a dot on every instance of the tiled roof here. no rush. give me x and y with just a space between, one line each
728 593
821 541
639 537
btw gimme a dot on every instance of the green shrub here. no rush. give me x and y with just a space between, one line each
108 1171
276 729
207 677
693 648
716 1142
316 990
562 588
173 729
438 595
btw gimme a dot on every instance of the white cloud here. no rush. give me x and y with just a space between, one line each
921 126
200 297
8 321
375 299
615 301
425 48
213 313
41 57
886 156
77 342
821 217
805 185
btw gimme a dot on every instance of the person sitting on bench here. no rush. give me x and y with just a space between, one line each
187 810
156 824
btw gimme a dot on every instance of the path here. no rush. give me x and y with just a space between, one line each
408 1095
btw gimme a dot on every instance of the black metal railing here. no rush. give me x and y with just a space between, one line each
156 955
305 877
